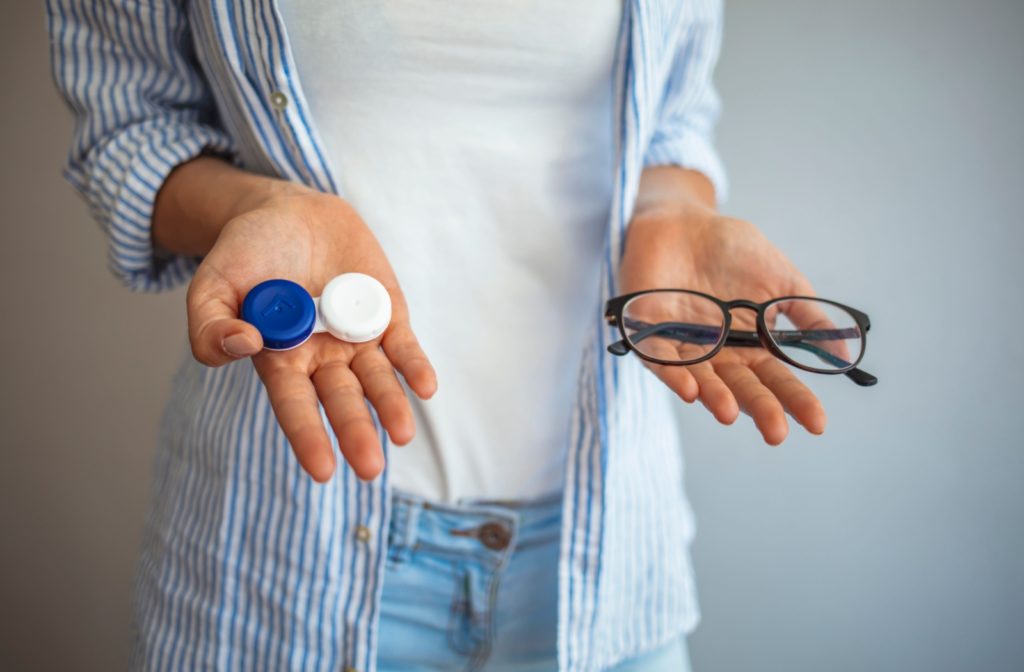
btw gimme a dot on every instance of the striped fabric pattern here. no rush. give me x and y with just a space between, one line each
247 563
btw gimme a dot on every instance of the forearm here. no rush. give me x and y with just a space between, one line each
673 191
201 196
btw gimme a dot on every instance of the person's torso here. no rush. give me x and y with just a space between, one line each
227 481
476 139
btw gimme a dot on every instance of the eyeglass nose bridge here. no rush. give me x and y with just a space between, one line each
760 337
742 303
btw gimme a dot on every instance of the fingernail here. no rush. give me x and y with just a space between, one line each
239 345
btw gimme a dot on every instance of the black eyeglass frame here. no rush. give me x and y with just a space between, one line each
615 306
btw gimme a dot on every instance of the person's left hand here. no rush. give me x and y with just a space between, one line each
729 259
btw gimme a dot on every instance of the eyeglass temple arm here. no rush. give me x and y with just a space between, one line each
697 333
795 338
680 331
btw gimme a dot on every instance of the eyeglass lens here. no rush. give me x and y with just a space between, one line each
673 326
815 334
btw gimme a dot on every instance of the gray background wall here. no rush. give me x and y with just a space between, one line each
879 143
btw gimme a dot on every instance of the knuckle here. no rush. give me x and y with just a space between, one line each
380 372
401 340
201 353
395 398
197 352
332 369
351 425
335 391
290 395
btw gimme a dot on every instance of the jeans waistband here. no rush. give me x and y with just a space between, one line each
488 531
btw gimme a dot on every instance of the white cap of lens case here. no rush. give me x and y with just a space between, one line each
353 307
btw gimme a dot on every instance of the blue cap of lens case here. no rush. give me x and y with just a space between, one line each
353 307
283 312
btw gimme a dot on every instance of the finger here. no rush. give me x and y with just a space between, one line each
406 355
678 379
714 393
294 401
757 401
796 398
345 404
215 333
381 387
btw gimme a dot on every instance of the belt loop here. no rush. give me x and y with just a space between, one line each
412 524
405 515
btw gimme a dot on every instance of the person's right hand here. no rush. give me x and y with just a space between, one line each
309 237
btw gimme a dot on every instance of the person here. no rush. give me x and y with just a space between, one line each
503 169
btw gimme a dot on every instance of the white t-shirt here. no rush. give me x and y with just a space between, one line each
475 139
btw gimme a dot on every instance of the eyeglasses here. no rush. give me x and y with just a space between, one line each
678 327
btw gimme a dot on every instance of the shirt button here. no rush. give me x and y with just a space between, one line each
363 533
494 536
278 100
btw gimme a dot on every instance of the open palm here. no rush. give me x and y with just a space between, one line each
729 259
309 239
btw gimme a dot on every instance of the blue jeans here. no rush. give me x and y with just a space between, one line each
474 586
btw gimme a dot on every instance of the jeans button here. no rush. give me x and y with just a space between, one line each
494 536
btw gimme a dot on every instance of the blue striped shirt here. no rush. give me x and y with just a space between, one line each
249 564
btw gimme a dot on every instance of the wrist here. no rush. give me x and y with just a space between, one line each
694 218
201 196
671 192
255 192
674 219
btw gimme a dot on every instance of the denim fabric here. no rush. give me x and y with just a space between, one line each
474 586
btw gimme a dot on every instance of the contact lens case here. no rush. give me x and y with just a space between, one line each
352 307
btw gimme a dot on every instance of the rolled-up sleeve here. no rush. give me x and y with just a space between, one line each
127 70
684 132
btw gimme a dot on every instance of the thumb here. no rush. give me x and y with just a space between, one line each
215 333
